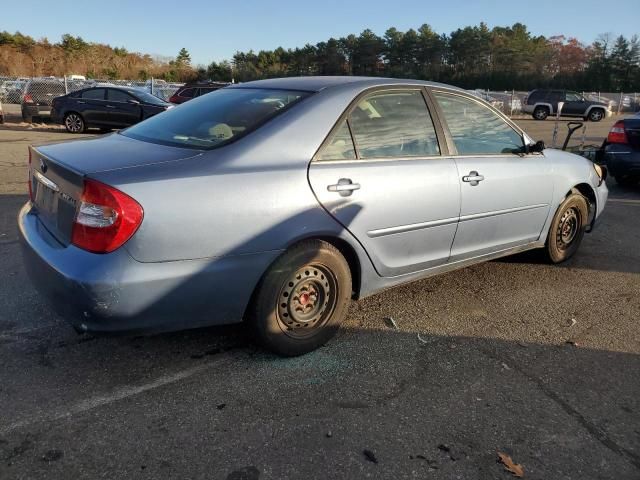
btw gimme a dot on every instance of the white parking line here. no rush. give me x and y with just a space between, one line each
98 401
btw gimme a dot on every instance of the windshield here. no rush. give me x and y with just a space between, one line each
215 119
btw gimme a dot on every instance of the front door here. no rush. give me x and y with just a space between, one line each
392 190
505 195
124 110
92 106
574 104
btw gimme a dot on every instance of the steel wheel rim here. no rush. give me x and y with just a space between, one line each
73 123
540 114
307 301
568 228
596 115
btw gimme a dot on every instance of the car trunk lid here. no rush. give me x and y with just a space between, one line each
57 173
632 129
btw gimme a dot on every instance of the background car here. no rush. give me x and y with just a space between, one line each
38 96
193 90
105 107
542 103
277 201
622 151
11 91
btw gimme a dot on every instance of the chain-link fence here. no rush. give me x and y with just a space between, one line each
14 89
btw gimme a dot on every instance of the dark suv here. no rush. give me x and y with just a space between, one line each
37 97
542 103
192 90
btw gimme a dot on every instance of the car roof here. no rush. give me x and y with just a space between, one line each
318 83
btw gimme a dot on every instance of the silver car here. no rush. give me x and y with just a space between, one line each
278 201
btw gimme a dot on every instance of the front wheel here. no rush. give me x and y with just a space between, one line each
596 115
74 123
567 228
302 299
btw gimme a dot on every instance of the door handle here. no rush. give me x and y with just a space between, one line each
111 106
344 187
81 102
474 178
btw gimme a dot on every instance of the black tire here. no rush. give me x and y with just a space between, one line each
567 228
302 299
626 180
596 114
541 113
74 123
27 118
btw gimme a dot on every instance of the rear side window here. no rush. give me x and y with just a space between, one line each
340 147
536 96
94 94
216 119
393 124
204 91
475 128
187 92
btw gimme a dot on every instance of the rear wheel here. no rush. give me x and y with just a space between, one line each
567 228
541 113
596 114
74 123
302 299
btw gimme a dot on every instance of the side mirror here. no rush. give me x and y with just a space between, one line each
537 147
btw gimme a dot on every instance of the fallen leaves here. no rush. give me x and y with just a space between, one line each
510 465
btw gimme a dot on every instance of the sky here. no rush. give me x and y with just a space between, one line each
214 30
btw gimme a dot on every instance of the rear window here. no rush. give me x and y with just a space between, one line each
216 119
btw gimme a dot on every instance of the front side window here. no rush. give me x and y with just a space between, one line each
573 97
340 147
393 124
475 128
94 94
118 95
215 119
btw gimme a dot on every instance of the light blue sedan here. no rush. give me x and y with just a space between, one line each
278 201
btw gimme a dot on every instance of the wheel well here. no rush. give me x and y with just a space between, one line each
586 191
351 257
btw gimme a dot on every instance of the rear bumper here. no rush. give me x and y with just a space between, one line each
36 110
115 293
622 160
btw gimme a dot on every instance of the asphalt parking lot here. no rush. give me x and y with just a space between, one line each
515 356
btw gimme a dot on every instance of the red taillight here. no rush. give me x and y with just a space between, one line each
106 218
27 98
30 185
617 133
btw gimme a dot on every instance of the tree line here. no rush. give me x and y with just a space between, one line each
471 57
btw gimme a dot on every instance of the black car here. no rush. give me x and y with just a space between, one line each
193 90
105 107
622 151
38 96
542 103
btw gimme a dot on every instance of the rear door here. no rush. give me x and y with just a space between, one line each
505 196
93 106
382 175
123 109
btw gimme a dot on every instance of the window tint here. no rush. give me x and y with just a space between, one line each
573 97
118 95
393 124
215 119
94 94
187 92
340 147
475 128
